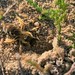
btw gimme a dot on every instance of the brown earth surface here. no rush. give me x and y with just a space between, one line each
45 57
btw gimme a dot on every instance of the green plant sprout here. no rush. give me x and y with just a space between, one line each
57 14
1 17
61 4
35 5
37 66
43 71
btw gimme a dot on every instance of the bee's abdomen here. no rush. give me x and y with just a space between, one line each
31 40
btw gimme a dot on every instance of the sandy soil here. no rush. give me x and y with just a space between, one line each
45 57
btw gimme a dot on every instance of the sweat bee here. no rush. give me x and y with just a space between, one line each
22 37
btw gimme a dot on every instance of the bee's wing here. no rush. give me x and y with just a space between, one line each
27 33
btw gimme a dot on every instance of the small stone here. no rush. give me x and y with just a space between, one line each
36 24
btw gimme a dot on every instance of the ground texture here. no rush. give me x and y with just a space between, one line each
45 57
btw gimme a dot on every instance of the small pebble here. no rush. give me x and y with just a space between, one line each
36 24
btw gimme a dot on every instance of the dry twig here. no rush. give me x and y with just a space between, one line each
9 9
19 63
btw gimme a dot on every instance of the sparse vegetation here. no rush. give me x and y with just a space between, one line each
37 37
35 5
58 14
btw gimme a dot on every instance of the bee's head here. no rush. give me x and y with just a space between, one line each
13 32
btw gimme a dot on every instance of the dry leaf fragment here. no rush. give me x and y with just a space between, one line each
1 12
21 22
24 15
27 33
34 29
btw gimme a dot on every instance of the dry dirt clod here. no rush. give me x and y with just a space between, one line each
55 43
48 67
72 55
72 69
72 52
44 57
57 49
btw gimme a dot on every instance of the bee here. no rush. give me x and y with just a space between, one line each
22 37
